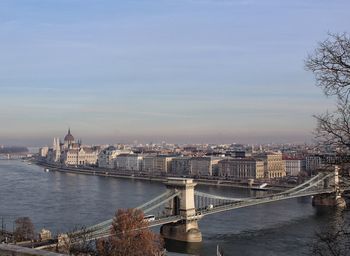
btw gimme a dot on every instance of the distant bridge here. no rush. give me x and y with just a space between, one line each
13 156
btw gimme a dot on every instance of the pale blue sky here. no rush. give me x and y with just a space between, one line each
152 70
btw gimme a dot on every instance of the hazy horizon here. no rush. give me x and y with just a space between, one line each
196 71
208 139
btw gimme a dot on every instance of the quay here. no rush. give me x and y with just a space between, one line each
114 174
14 250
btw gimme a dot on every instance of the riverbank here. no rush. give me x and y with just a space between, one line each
114 174
59 202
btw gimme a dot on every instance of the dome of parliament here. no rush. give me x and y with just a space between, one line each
69 136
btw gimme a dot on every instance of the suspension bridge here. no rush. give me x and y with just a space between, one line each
180 207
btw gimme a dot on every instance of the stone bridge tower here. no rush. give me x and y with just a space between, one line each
186 230
330 199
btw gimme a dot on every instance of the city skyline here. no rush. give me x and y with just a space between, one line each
180 71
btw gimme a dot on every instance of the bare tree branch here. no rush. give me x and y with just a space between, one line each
332 243
333 129
330 63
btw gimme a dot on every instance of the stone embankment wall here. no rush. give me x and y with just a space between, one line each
13 250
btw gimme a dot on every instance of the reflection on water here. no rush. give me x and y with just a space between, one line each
60 201
182 247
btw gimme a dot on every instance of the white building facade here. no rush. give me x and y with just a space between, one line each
294 166
245 168
128 162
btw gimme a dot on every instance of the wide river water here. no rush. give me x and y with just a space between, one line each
61 201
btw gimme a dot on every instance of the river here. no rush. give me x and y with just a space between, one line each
61 201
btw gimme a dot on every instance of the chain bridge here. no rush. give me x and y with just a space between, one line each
180 207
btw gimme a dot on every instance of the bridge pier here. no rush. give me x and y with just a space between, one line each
334 199
186 230
328 200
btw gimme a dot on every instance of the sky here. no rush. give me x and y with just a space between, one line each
181 71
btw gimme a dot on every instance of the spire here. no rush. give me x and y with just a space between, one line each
69 130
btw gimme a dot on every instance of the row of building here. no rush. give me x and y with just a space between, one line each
72 153
233 164
269 165
124 160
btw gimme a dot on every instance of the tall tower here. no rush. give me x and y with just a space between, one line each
57 149
183 205
54 144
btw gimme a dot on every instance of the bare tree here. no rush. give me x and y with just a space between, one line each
131 236
330 63
24 229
